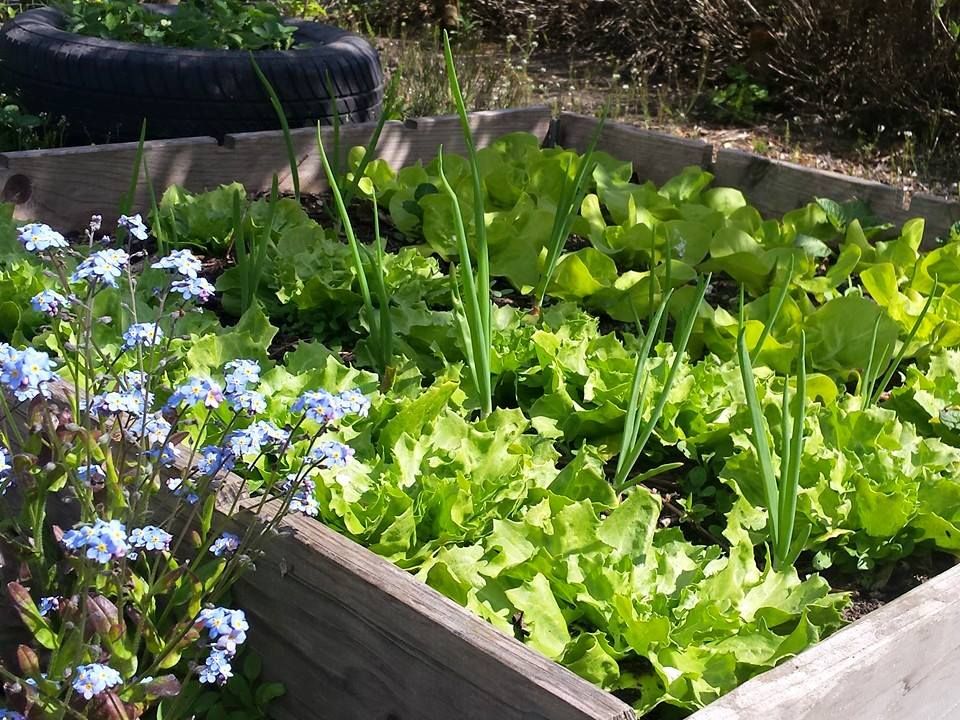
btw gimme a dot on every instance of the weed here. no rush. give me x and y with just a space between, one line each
741 98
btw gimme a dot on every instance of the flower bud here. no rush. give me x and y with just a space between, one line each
28 661
104 617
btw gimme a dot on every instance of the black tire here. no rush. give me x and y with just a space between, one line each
105 89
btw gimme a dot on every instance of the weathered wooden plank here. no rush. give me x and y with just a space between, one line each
940 215
63 187
776 187
260 154
655 156
380 644
900 661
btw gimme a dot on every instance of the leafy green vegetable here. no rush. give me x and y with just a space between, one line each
224 24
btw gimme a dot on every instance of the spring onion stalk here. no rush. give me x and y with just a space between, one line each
385 323
634 437
389 104
284 125
250 247
875 389
667 279
335 121
482 284
382 352
126 201
568 207
870 372
240 247
792 440
472 312
639 385
780 492
777 307
473 305
158 230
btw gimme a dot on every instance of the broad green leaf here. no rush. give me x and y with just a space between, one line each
249 338
629 528
541 614
839 334
582 274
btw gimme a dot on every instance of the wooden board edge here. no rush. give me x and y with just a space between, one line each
6 158
939 213
656 156
877 647
533 114
777 186
400 144
471 642
64 186
738 158
572 124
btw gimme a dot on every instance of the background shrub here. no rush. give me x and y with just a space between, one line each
859 63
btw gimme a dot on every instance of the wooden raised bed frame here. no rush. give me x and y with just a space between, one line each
356 638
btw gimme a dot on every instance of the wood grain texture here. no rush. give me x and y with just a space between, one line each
354 637
655 156
940 214
67 185
64 187
258 155
900 661
776 187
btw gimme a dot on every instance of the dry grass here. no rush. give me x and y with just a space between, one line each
489 76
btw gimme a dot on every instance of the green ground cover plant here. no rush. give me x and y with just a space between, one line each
210 24
22 130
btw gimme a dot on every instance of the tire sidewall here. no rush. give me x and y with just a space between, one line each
44 59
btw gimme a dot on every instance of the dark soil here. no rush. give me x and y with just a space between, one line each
891 583
320 208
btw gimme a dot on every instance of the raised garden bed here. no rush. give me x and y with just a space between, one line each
354 636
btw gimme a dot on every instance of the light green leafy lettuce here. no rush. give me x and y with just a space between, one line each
871 486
